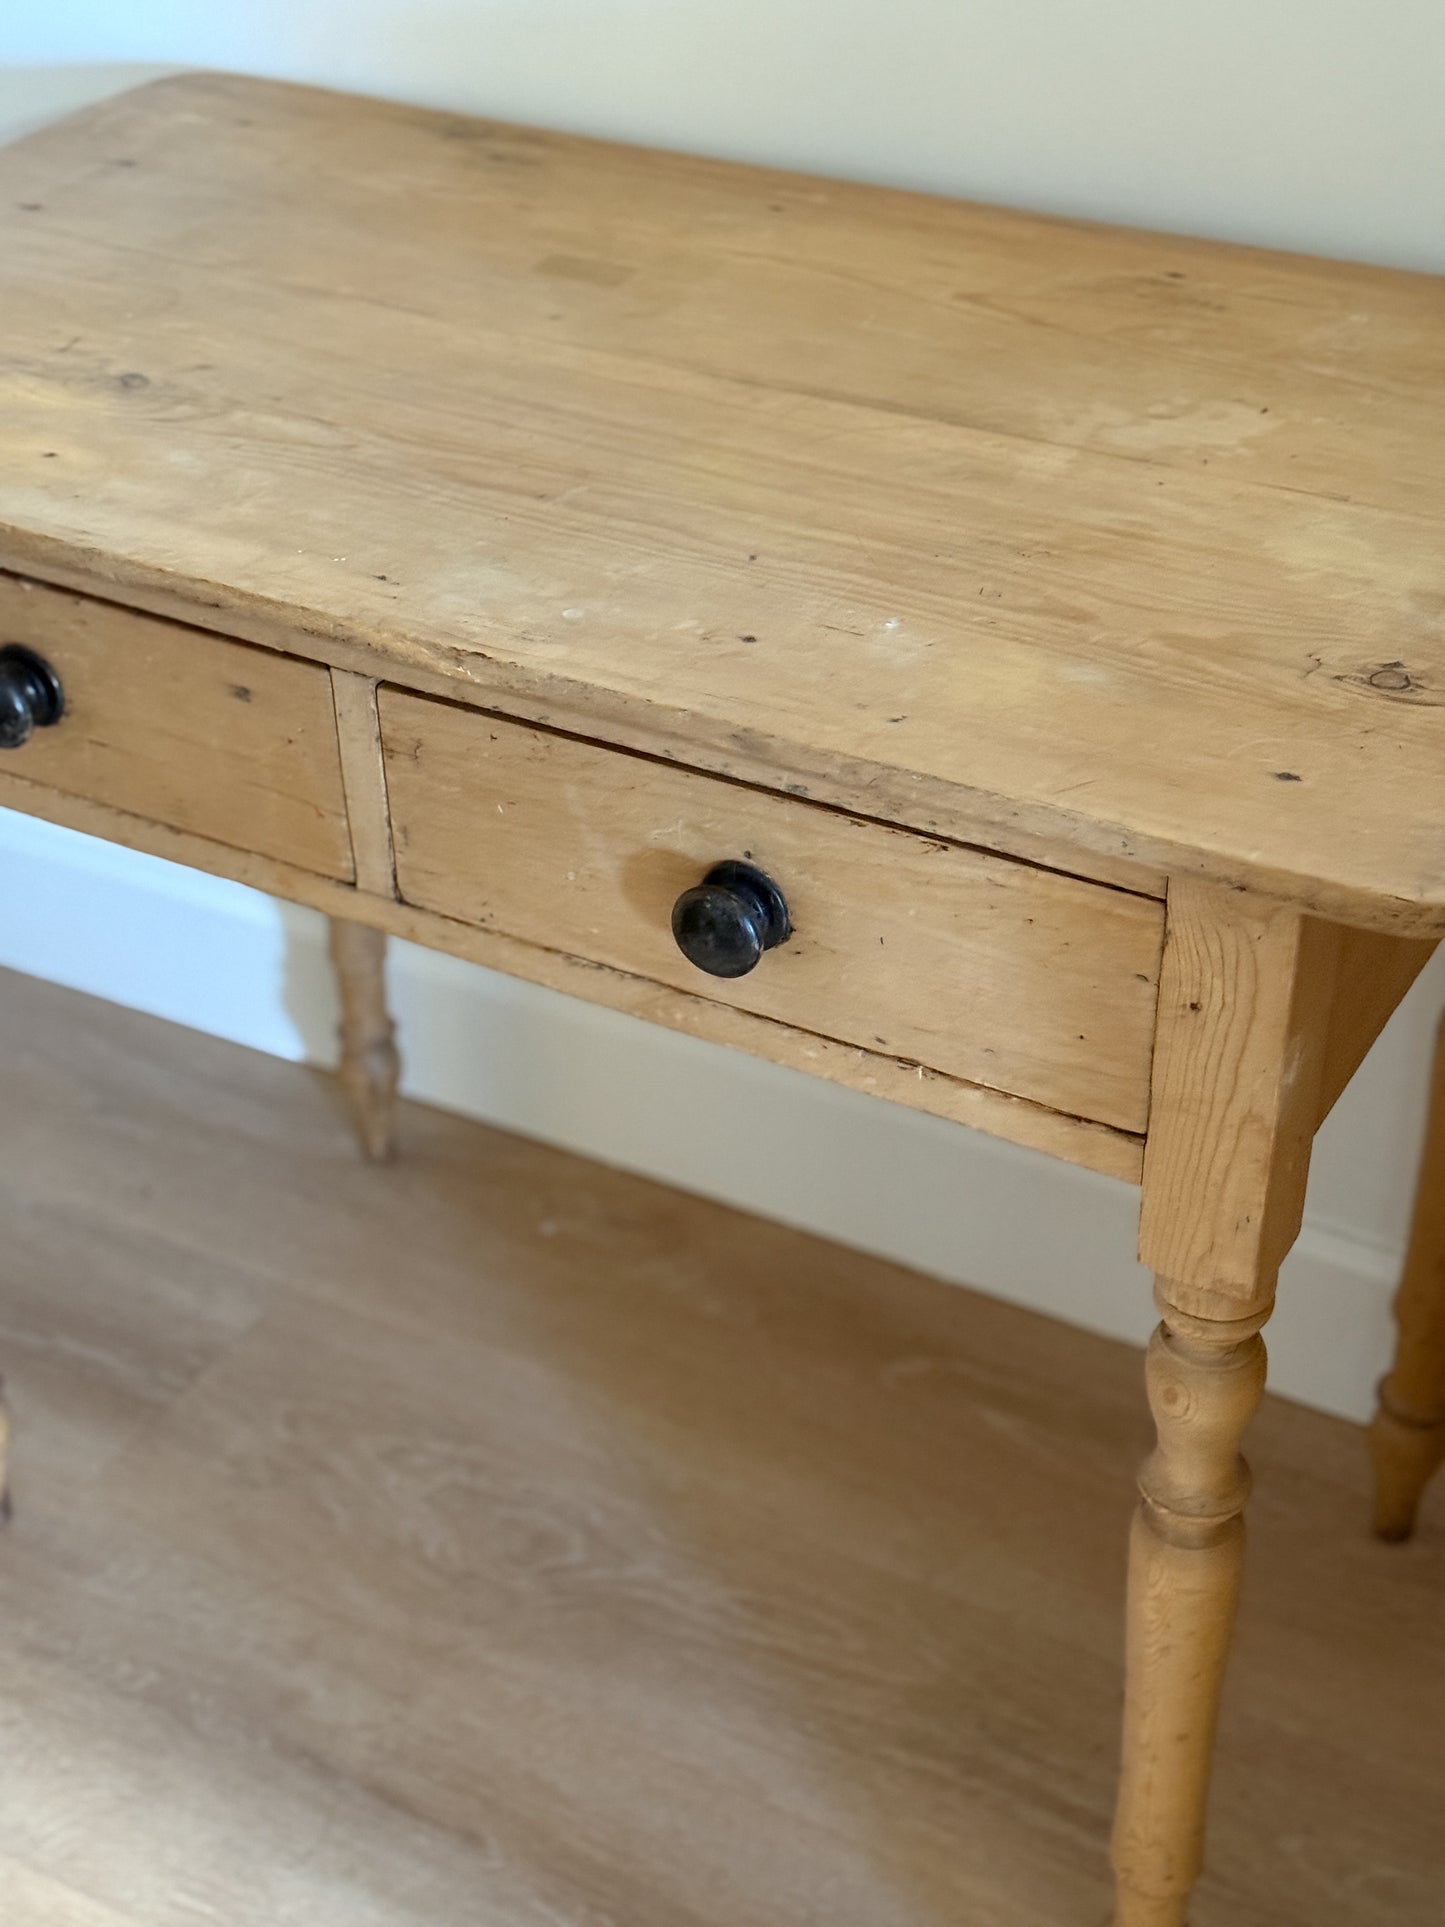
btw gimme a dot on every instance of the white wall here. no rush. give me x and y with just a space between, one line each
1307 123
1303 123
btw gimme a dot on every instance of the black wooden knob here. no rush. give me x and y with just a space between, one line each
30 695
726 922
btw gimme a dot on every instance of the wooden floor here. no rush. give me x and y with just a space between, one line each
498 1541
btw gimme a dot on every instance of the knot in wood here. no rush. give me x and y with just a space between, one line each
1203 1393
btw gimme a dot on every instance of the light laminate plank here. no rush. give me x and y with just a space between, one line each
518 1542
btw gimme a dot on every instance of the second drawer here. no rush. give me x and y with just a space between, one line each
985 969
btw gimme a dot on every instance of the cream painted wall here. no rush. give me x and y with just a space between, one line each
1302 123
1308 123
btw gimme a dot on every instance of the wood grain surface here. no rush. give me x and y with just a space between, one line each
1372 974
369 1069
1246 995
993 972
1122 548
359 740
499 1539
216 738
901 1080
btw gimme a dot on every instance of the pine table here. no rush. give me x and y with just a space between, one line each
986 660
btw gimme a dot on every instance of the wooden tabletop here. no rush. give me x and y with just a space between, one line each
1119 550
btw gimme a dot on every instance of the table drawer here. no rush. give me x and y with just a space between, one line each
183 727
976 966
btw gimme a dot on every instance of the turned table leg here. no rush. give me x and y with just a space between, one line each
369 1066
1407 1439
1186 1554
1244 1001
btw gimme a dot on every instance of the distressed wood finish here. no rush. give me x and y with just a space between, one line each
359 736
217 738
1372 974
986 579
988 971
1117 1154
370 1067
1116 544
1186 1555
1245 998
1245 1002
1407 1439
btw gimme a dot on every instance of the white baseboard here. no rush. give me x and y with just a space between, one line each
912 1188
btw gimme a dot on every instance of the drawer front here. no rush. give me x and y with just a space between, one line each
976 966
185 728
